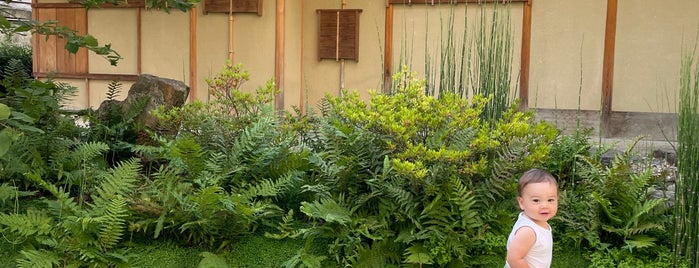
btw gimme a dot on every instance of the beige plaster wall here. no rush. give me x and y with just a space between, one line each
165 44
650 38
122 36
323 76
91 93
212 48
567 52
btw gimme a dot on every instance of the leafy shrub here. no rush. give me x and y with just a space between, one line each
15 63
412 179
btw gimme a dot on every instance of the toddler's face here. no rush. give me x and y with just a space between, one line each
539 201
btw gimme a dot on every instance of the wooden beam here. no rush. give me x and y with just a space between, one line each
125 4
120 77
388 50
410 2
279 56
608 62
525 57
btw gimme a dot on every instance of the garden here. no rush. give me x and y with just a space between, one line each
409 178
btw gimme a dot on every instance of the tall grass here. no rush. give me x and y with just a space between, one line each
686 212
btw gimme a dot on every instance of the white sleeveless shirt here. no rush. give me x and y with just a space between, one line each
541 253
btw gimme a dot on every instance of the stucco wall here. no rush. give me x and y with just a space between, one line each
650 38
567 53
567 47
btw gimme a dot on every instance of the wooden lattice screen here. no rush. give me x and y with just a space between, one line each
50 53
236 6
338 36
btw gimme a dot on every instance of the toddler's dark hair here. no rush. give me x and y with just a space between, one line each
534 176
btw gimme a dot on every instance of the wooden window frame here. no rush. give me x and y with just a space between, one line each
338 38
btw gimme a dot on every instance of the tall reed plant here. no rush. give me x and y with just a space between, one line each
473 59
492 67
686 212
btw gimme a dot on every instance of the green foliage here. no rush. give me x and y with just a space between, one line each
67 232
15 66
416 175
114 125
223 170
610 208
686 240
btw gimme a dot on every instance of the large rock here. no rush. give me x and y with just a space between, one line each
160 91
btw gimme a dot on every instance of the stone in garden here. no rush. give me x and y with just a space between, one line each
160 91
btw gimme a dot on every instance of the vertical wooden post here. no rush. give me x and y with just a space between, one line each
193 54
279 55
139 24
388 49
608 65
525 57
302 90
230 30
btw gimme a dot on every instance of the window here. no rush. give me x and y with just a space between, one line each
237 6
338 34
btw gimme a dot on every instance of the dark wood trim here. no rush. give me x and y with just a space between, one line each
608 62
432 2
129 4
120 77
279 55
525 57
388 50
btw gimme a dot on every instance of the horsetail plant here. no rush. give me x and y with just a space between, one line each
686 246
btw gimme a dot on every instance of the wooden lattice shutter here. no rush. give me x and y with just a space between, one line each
236 6
339 34
50 56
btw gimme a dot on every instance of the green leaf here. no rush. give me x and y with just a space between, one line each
90 40
23 28
4 23
5 111
72 47
5 141
22 117
418 254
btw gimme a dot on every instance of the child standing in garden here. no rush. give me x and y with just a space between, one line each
530 243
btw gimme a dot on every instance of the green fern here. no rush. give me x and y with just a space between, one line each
628 212
113 90
38 258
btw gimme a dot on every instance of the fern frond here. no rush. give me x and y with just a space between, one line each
118 181
328 210
417 254
113 90
33 223
38 258
640 241
113 223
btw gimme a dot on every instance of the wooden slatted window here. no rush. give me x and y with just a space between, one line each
433 2
50 56
338 36
237 6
